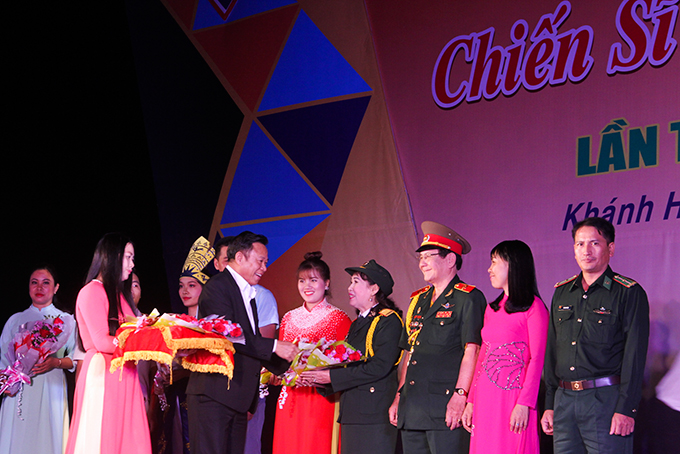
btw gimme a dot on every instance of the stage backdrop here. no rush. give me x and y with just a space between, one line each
500 119
517 119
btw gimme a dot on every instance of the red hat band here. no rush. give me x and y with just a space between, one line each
440 241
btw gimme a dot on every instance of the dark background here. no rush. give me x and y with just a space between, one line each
107 130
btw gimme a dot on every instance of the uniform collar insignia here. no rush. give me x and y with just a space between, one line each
448 294
607 283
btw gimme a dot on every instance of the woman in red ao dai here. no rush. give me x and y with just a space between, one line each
302 406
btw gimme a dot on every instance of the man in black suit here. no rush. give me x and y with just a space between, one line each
217 405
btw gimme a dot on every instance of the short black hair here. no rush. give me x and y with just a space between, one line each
603 226
222 243
243 242
443 252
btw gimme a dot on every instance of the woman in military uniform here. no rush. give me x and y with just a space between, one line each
370 385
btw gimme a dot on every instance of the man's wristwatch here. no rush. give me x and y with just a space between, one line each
461 392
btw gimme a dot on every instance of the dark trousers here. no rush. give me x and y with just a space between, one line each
215 428
664 428
368 438
582 421
455 441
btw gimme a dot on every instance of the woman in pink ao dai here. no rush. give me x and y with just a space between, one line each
501 412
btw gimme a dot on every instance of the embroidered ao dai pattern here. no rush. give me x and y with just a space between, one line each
304 418
508 372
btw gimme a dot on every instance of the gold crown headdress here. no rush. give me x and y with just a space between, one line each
200 254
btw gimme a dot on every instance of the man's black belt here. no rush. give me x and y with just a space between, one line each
580 385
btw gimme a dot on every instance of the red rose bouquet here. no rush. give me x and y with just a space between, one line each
34 342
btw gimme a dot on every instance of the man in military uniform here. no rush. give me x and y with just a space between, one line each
441 340
596 350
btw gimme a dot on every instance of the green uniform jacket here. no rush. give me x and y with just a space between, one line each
453 320
598 333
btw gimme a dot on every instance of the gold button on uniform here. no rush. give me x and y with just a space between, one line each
412 382
372 389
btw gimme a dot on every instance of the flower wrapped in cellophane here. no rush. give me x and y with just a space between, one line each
314 355
34 342
200 345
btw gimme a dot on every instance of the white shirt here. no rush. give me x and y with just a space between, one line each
248 292
668 389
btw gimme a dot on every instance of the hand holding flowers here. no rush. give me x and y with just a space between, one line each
315 356
33 344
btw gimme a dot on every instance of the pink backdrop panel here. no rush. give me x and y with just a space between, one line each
505 167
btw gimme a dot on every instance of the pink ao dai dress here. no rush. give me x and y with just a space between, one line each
508 373
109 415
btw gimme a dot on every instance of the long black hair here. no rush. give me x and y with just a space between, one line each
522 286
107 265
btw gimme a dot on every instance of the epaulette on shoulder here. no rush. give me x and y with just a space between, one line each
418 292
467 288
386 312
566 281
628 283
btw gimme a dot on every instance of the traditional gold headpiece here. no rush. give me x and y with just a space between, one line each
200 254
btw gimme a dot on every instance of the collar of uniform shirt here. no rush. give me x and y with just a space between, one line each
365 313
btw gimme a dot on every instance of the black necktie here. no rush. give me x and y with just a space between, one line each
253 306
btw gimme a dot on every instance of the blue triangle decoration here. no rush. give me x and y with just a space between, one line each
282 235
318 139
310 68
245 8
265 185
207 15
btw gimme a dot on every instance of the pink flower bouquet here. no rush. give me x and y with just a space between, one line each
320 354
34 342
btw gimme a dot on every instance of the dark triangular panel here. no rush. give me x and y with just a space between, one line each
209 14
246 8
244 52
319 139
182 11
266 185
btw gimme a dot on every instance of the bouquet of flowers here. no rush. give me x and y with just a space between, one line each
202 345
34 342
212 323
313 355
